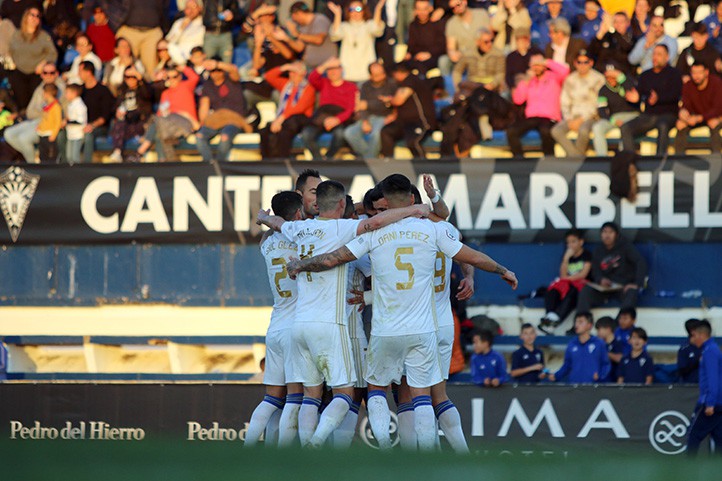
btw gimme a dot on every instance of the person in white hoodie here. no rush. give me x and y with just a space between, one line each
76 117
187 32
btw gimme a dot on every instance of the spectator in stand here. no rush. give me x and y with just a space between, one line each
488 367
626 319
23 136
563 48
396 21
64 22
637 367
8 114
510 16
643 50
133 108
462 29
585 359
158 76
484 65
541 92
14 10
101 35
589 22
579 102
699 52
221 111
76 116
544 11
177 116
615 349
336 104
641 19
427 39
100 103
660 89
187 32
357 35
527 362
114 76
295 107
309 35
618 269
84 47
714 25
612 43
614 110
271 43
415 113
142 28
561 295
50 124
517 62
701 105
219 18
364 136
688 356
31 49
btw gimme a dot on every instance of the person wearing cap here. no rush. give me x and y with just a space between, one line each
542 12
699 52
541 92
510 16
309 34
612 43
579 106
462 29
187 32
659 89
485 65
641 54
613 108
517 62
219 18
701 105
563 48
713 22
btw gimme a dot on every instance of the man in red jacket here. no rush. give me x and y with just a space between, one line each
701 105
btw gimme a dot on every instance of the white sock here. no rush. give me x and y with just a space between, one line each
331 418
308 419
288 426
379 417
407 430
450 422
344 433
270 439
260 417
425 423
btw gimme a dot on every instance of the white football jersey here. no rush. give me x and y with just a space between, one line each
277 251
358 270
403 258
442 282
321 295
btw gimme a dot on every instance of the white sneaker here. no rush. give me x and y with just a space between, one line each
116 157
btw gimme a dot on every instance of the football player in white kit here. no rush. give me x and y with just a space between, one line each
403 335
306 184
321 344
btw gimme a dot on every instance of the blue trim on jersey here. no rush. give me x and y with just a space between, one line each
274 401
376 392
312 401
440 409
345 397
421 401
294 398
355 407
404 407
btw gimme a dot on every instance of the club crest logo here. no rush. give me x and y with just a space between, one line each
17 188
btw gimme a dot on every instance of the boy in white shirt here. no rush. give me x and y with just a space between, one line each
76 117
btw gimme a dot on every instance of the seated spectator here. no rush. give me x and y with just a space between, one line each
415 113
614 110
561 295
177 116
488 367
626 319
23 135
517 62
221 111
713 23
8 113
162 60
643 51
100 103
64 22
699 52
141 26
113 77
462 28
197 62
364 135
101 35
14 10
641 19
357 35
701 105
30 49
510 16
271 45
585 359
615 349
659 89
309 34
84 47
50 124
484 65
589 22
336 104
542 12
219 18
563 48
638 366
541 92
187 32
618 269
425 46
688 356
76 117
579 106
612 43
133 108
295 108
527 362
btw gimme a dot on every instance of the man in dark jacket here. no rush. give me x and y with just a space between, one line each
613 42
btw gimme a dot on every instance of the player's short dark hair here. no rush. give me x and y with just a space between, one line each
527 325
87 66
485 336
586 315
628 310
51 89
328 194
611 225
371 196
641 333
605 321
578 233
417 194
704 327
78 89
197 49
286 204
689 325
301 181
395 185
350 208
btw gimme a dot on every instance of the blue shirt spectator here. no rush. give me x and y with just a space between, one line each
541 14
710 375
636 369
641 54
688 358
3 362
714 26
525 358
589 21
488 367
621 336
586 359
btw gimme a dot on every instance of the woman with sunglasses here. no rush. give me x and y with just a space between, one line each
133 108
116 68
357 34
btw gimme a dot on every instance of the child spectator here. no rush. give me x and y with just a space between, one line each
76 117
638 366
615 349
7 117
585 360
527 362
688 356
50 124
488 367
627 318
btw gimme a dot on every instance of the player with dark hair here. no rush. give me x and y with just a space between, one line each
585 360
488 367
527 362
637 366
306 184
615 348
